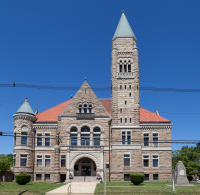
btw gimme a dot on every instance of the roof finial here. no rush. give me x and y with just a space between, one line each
123 11
26 99
85 78
71 96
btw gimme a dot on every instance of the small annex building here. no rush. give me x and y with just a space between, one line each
80 135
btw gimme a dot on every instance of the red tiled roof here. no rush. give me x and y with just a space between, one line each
51 115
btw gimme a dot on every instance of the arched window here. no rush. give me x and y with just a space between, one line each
73 135
80 108
85 129
85 136
96 136
85 108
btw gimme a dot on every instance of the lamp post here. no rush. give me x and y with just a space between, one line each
34 131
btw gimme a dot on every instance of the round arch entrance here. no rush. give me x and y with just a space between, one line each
85 167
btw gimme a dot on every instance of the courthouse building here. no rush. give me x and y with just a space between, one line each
79 136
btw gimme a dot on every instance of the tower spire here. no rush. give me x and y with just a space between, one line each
124 28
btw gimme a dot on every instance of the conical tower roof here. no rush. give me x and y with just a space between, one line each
124 28
25 108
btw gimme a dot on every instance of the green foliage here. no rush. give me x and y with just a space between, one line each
6 162
22 179
190 178
137 179
190 157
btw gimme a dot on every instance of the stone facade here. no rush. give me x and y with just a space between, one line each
78 138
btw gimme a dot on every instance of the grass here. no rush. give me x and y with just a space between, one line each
153 188
32 188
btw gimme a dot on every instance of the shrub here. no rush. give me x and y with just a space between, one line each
190 178
137 179
22 179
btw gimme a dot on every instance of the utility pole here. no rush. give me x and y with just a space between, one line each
109 123
34 131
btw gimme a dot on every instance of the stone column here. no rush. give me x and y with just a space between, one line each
91 139
79 139
56 165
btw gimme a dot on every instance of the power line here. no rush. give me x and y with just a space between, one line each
107 139
167 89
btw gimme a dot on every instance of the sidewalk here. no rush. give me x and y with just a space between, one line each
76 189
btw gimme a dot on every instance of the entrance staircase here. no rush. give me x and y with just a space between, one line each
84 179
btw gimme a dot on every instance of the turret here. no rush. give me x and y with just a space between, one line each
23 139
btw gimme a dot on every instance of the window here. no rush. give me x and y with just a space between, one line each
47 161
126 177
73 139
126 160
125 120
129 94
80 108
120 68
39 139
146 161
85 139
73 136
14 160
47 177
155 160
130 120
39 160
96 139
125 68
124 86
38 177
120 110
23 138
120 120
146 177
126 137
85 108
129 86
125 102
47 139
146 139
155 139
155 177
129 68
15 139
120 86
63 161
107 165
85 129
23 160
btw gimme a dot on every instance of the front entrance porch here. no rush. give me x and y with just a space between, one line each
85 167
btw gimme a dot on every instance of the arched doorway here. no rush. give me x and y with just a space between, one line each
85 167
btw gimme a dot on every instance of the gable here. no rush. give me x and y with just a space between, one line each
85 96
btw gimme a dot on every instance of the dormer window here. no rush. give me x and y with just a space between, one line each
85 108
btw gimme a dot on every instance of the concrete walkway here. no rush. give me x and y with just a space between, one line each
76 189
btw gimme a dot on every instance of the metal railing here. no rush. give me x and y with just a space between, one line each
69 189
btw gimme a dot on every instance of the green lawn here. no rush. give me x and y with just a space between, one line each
33 188
118 188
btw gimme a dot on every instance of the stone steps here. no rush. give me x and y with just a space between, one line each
84 179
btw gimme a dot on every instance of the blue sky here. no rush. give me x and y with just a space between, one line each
59 43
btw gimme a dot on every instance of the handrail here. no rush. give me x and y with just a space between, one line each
69 189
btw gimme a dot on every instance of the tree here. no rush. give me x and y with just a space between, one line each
190 157
198 145
6 162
